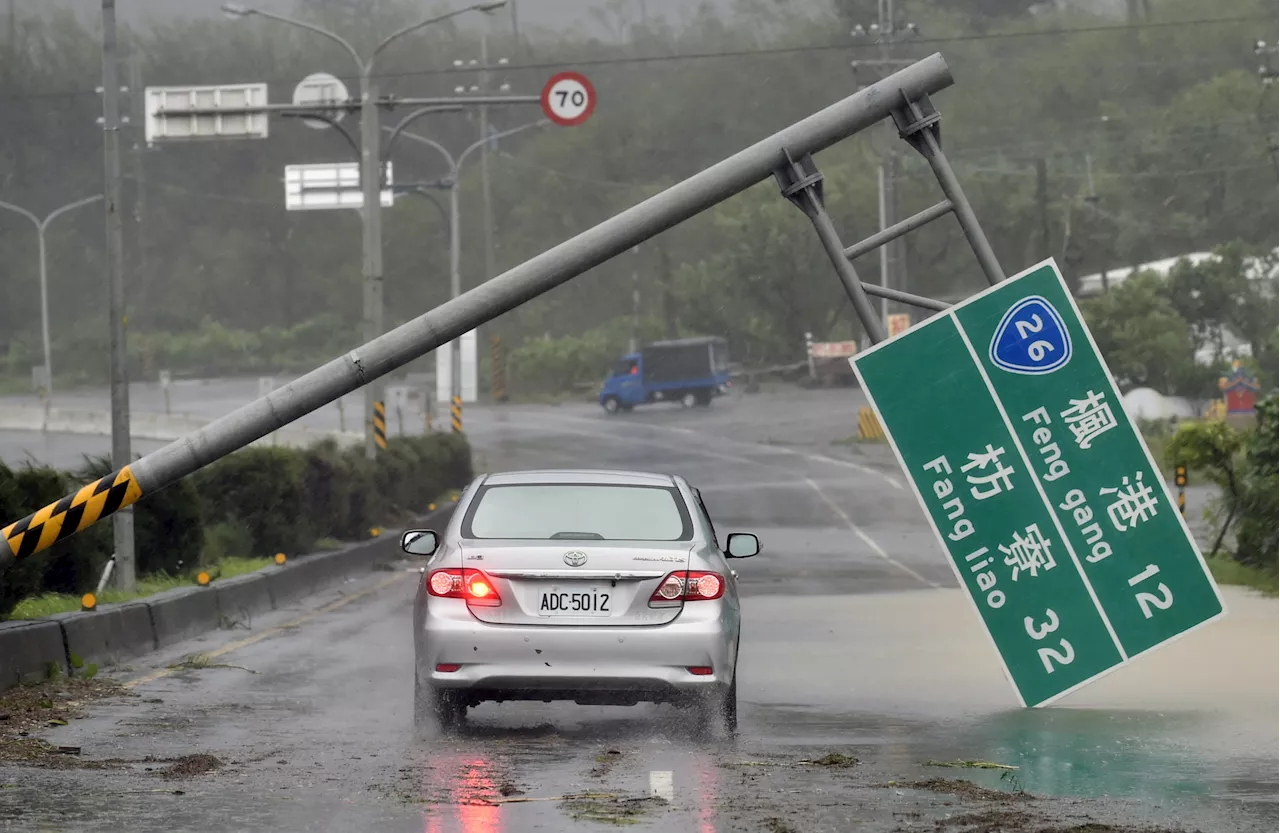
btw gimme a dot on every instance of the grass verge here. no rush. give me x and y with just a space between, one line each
1226 571
47 604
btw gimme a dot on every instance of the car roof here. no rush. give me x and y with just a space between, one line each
592 476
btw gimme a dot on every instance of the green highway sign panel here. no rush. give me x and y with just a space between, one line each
1039 487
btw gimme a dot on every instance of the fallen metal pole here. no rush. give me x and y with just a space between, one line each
460 315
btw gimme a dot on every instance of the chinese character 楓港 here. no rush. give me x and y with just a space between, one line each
1029 553
994 479
1134 503
1088 418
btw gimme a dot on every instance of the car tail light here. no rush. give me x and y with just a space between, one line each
472 585
699 670
447 667
688 586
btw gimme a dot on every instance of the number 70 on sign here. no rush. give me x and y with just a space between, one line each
568 99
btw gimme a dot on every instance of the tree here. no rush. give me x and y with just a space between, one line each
1145 341
1219 295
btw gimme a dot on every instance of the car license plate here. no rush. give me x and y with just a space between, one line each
575 601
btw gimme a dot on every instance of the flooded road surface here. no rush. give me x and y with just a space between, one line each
862 663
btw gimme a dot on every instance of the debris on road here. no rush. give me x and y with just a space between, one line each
191 765
198 661
964 789
52 703
612 810
969 764
832 759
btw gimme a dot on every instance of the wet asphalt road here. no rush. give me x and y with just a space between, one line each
855 641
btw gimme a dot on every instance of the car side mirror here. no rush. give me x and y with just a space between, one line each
419 542
742 545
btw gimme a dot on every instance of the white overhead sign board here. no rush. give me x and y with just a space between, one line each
444 369
328 186
169 116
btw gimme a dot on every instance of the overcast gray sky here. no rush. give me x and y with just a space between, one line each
532 14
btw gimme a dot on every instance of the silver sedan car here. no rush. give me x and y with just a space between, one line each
599 587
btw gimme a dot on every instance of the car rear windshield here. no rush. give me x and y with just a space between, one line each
578 511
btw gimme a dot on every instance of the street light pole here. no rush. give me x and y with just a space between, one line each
455 226
370 176
41 227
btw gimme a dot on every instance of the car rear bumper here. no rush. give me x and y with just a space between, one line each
587 664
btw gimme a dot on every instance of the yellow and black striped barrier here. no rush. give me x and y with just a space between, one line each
868 426
456 414
380 424
498 372
44 528
1180 478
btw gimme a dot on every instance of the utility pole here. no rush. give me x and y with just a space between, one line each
139 119
371 185
885 30
126 574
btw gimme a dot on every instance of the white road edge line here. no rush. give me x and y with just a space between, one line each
661 784
867 539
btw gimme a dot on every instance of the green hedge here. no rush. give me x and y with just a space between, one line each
265 500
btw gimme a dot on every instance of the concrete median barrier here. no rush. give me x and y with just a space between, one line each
243 597
110 634
115 633
183 613
29 650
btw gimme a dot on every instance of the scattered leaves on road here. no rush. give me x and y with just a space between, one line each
609 809
28 709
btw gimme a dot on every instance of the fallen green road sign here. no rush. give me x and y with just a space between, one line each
1054 515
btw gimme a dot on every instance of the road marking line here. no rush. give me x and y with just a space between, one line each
867 539
893 481
661 784
258 637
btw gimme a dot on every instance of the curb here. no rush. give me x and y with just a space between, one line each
115 633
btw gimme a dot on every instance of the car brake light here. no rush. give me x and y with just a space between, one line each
688 586
472 585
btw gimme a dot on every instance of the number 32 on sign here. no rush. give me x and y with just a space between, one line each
1039 487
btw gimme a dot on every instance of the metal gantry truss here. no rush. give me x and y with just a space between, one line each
802 183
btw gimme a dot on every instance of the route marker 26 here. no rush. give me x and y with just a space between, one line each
1041 491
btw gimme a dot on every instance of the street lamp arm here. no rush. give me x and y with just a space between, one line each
414 116
17 209
462 156
413 27
71 207
332 122
302 24
431 142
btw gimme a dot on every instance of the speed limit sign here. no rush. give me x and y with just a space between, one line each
568 99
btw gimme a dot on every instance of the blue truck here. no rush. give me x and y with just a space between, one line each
691 371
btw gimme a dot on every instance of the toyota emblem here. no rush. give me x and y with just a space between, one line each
575 558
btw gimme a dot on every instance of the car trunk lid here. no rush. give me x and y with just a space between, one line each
572 582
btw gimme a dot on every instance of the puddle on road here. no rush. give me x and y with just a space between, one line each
1069 753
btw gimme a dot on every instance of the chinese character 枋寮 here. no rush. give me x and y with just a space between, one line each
1134 503
1029 553
993 479
1089 418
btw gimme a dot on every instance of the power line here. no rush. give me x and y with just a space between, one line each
767 52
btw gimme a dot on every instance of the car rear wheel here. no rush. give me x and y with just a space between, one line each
450 711
719 710
689 400
442 708
612 405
